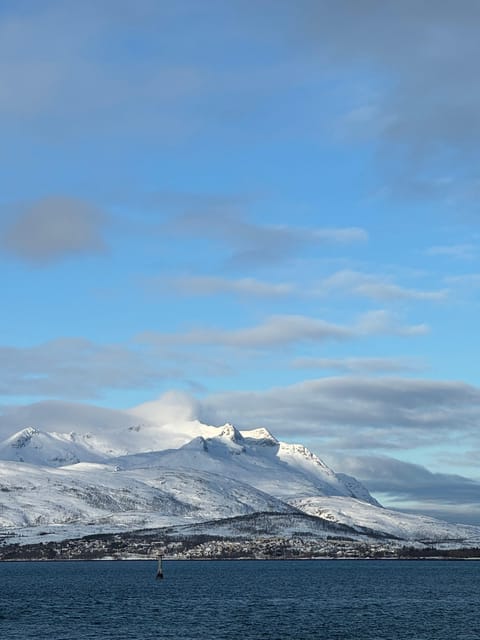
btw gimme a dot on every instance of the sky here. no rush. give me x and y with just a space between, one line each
265 212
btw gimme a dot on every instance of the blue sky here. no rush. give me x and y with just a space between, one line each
270 207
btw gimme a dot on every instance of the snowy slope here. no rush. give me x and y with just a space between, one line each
89 493
362 516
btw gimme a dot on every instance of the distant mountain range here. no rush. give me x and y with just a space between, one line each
57 485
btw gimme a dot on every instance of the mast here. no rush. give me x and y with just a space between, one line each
160 568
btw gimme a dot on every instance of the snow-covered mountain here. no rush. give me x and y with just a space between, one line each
53 449
79 483
255 457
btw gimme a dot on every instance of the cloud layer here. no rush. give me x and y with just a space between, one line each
444 495
356 412
75 368
422 101
418 96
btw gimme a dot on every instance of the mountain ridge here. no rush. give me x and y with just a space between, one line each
75 483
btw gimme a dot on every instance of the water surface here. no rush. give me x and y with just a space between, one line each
241 600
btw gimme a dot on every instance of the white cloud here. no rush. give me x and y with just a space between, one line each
214 285
374 287
382 322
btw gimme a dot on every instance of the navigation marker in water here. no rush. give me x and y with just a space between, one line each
159 568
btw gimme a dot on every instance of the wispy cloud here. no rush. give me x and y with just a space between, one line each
358 365
456 251
255 244
374 287
383 322
345 282
346 235
284 330
215 285
276 332
469 280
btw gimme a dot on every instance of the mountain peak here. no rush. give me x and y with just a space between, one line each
260 436
230 432
22 438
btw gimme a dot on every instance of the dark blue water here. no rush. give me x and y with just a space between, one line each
241 600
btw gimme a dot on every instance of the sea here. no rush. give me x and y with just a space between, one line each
241 600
